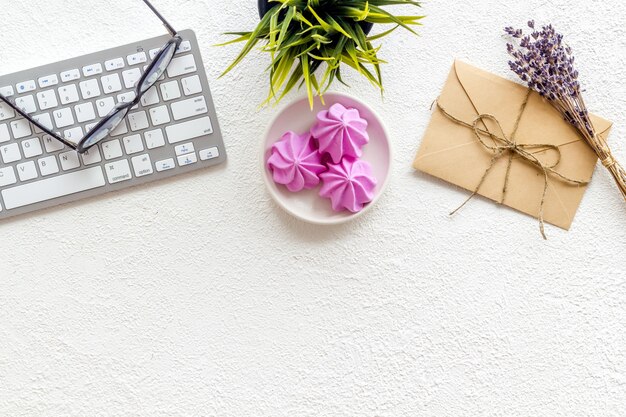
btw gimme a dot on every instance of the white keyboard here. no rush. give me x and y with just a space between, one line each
173 130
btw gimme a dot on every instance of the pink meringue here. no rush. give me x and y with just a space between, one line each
295 162
349 185
340 132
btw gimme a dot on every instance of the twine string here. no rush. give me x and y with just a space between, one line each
507 144
609 161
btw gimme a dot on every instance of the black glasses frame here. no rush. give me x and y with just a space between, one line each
126 106
120 107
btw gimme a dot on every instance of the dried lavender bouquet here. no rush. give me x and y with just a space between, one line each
546 64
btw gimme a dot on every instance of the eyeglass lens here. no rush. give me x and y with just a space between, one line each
118 114
112 121
159 67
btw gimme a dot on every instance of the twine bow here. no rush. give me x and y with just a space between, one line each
503 144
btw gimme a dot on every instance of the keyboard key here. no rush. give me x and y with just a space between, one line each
7 91
121 129
105 105
84 112
181 65
27 171
151 97
55 187
6 111
153 52
185 46
111 83
138 121
159 115
189 130
165 165
189 108
126 97
4 133
183 149
20 128
89 89
69 160
52 144
43 119
70 75
170 90
26 104
31 147
48 165
191 85
188 159
91 156
114 64
47 99
154 139
10 153
68 94
135 59
142 165
93 69
118 171
48 80
206 154
112 149
131 77
63 117
7 176
74 134
133 144
26 86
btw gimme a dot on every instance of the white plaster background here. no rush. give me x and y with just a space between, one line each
198 296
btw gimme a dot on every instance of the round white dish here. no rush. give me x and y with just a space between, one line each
307 205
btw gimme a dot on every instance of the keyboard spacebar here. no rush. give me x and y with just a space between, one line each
50 188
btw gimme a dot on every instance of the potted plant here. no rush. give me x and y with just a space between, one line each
303 36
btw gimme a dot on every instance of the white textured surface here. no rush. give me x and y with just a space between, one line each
198 297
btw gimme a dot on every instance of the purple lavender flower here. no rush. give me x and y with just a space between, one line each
546 65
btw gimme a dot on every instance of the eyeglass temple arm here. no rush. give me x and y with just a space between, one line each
169 27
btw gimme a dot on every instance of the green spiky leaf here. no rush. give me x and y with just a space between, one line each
307 36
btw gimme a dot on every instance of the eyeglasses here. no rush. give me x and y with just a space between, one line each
102 129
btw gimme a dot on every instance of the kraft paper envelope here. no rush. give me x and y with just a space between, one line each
453 153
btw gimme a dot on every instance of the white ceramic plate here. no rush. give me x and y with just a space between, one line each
307 204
